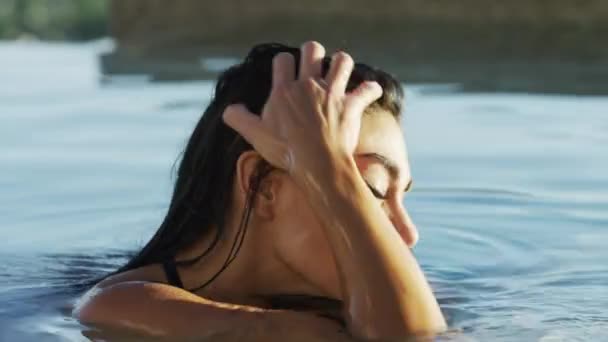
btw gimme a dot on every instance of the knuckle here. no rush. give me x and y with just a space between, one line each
281 90
334 93
353 103
294 88
309 84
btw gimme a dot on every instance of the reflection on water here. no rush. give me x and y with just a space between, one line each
511 195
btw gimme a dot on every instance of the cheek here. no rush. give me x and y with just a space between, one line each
302 245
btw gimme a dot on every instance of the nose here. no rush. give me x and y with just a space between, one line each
404 225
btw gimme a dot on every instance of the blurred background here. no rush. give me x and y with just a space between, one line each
54 20
506 123
520 45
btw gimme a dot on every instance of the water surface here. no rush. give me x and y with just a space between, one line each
510 196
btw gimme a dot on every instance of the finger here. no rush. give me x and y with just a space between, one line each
250 127
362 97
311 58
247 124
339 72
283 69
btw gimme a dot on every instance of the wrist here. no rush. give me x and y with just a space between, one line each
334 173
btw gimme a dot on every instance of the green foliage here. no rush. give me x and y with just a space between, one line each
54 19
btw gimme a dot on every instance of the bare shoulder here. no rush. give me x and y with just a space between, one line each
110 300
149 273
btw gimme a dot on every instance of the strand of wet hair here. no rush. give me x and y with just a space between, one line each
240 236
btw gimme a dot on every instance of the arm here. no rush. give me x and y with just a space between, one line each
385 291
152 309
310 128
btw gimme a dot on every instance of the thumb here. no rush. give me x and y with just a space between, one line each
362 97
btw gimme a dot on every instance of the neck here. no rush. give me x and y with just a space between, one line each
255 273
231 280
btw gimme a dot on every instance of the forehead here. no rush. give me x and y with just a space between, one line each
382 134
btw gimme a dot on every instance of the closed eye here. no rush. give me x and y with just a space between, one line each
375 192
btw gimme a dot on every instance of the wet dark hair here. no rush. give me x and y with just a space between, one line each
202 193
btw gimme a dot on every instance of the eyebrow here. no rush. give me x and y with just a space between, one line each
390 166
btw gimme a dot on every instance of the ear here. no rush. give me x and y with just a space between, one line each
267 190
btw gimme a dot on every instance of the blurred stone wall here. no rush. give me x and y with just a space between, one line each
556 29
431 34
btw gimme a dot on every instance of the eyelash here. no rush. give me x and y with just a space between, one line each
375 192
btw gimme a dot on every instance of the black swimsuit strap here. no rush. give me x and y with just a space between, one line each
171 273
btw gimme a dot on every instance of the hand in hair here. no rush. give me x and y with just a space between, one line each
310 120
310 127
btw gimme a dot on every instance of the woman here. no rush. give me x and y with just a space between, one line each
287 214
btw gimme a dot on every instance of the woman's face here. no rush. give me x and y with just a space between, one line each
298 239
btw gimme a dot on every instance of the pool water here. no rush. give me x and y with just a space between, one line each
510 196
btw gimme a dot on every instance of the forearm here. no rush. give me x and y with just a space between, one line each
148 309
386 293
